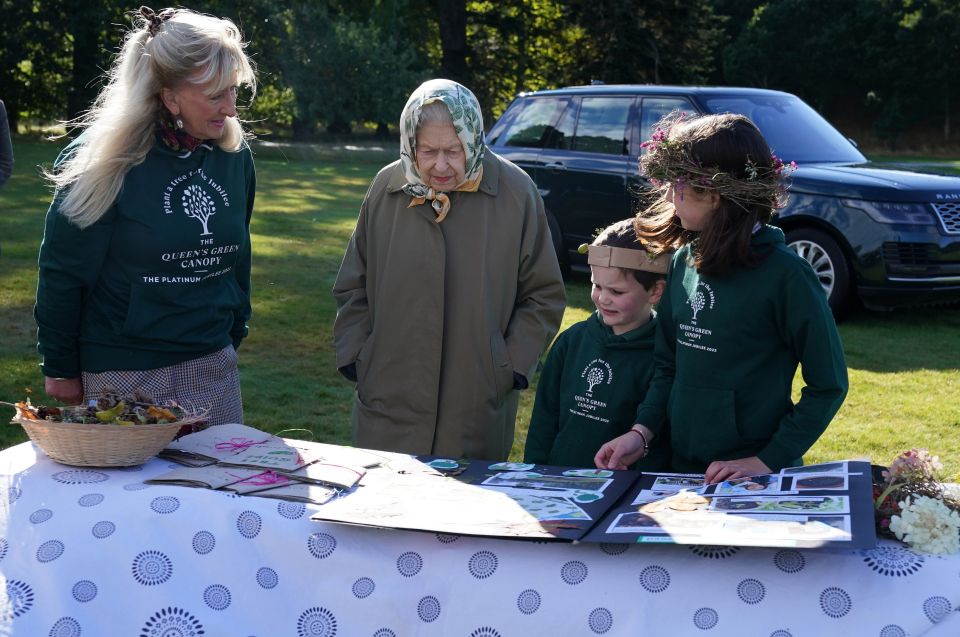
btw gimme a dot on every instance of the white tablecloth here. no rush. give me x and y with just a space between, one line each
96 552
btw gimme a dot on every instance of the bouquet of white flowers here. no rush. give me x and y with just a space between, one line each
913 506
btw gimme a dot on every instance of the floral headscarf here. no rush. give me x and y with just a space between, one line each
468 123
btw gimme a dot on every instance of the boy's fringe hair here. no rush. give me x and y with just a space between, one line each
120 127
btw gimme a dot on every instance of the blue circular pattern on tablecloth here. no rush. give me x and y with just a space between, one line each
835 602
13 494
655 578
528 601
751 591
447 538
573 572
80 476
291 510
249 524
203 542
482 564
705 618
428 609
384 632
409 563
600 620
485 631
363 587
321 545
4 547
40 516
267 577
789 561
217 596
65 627
781 633
165 504
136 486
892 561
151 567
90 499
84 590
316 622
19 600
614 549
50 550
103 529
937 608
172 622
892 630
714 552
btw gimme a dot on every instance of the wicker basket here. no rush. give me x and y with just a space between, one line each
101 445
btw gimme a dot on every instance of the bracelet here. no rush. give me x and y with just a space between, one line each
646 447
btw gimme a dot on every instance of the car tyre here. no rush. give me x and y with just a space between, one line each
829 263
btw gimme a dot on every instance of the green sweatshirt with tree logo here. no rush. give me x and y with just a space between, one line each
162 278
726 354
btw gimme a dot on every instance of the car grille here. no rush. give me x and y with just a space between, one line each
949 214
917 259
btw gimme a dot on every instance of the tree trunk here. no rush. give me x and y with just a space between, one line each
85 26
451 17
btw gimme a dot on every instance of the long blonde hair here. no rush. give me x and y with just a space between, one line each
162 51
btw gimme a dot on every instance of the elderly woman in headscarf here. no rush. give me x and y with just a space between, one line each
449 290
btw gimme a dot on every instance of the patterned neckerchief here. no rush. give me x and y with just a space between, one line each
176 139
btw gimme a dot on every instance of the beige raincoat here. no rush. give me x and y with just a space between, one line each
438 316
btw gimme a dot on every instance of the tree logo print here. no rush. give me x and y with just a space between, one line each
198 205
594 377
702 298
698 302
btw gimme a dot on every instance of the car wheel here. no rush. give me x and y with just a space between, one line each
830 265
557 239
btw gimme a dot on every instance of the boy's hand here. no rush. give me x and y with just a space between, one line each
721 470
66 390
620 453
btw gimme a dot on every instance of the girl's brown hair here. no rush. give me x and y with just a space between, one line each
730 144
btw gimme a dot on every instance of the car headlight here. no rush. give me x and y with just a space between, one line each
891 212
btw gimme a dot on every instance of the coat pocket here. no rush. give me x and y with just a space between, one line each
502 366
703 422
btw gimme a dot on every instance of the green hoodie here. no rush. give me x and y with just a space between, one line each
163 277
588 393
727 351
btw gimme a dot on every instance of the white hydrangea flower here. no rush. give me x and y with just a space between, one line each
927 525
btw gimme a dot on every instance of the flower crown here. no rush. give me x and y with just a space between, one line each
669 160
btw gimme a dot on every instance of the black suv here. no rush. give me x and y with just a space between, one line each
888 236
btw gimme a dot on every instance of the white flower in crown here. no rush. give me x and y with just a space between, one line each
927 525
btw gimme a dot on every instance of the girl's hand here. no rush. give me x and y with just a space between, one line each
67 390
620 453
721 470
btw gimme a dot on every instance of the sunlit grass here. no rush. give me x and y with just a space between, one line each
904 367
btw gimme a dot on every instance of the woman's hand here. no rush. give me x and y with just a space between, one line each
621 452
67 390
720 470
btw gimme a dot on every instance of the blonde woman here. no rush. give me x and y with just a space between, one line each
144 281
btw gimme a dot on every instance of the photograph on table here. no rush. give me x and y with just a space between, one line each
751 485
819 482
826 467
785 504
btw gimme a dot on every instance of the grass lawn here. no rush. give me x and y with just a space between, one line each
904 366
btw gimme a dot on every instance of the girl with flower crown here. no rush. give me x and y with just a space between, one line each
740 312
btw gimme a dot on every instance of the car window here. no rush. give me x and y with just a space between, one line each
794 131
655 108
533 124
602 125
561 136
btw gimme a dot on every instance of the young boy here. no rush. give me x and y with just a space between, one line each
598 370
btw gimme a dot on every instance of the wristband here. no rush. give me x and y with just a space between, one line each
646 447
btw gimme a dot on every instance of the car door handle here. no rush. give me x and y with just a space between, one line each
555 167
